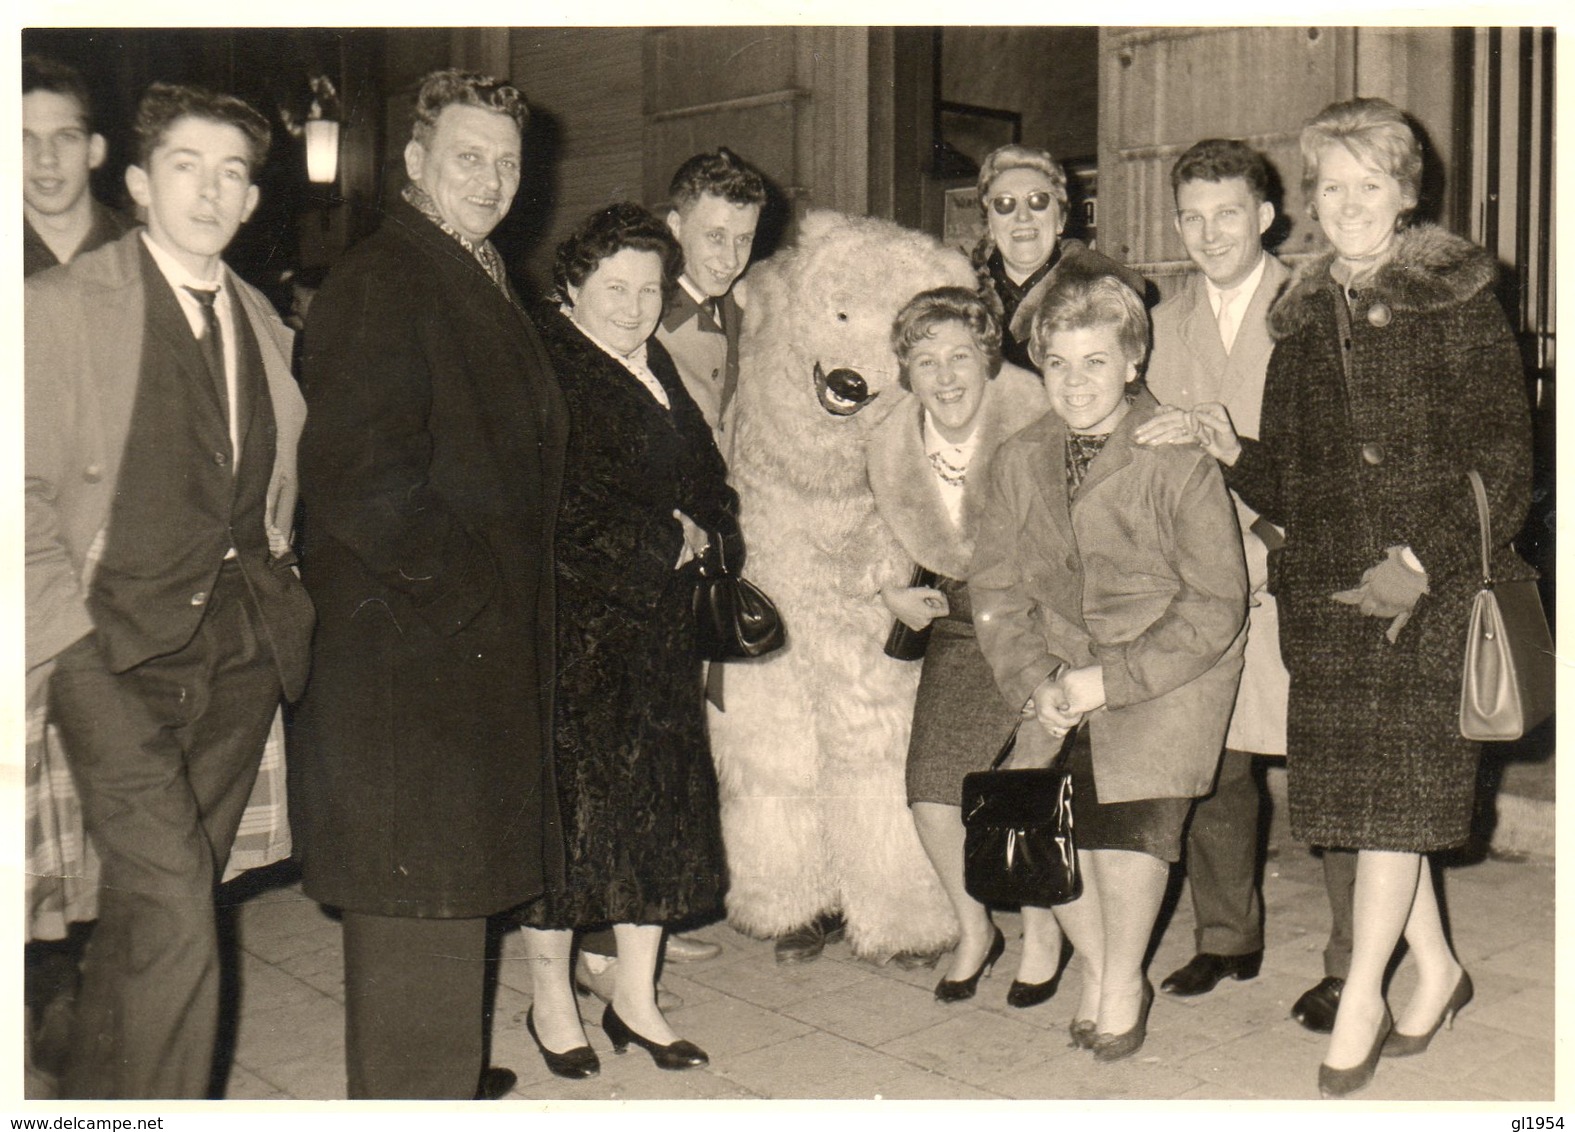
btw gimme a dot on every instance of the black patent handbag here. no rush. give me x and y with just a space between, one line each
734 619
1018 843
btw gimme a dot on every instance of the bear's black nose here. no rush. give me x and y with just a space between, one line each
848 384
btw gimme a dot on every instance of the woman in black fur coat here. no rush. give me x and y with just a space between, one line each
637 790
1394 373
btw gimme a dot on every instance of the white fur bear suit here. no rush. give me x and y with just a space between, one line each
811 748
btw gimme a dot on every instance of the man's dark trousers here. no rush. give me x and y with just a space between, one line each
164 757
1222 861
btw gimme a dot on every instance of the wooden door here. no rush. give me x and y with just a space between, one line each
1162 89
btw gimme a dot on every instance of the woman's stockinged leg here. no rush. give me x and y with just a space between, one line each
1131 887
553 1007
1041 945
1386 890
634 997
1083 922
1437 969
941 833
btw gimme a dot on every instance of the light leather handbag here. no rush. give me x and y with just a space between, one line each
1507 687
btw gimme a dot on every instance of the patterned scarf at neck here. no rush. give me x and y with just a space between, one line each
1081 449
1012 294
486 255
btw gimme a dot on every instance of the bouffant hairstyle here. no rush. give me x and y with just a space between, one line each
452 87
1015 156
722 173
1081 302
607 232
164 104
1221 159
1375 132
927 310
42 73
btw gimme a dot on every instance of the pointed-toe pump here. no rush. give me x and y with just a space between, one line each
956 990
1116 1047
1023 995
576 1064
1408 1045
1334 1083
675 1055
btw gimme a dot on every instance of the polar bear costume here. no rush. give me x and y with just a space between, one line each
810 750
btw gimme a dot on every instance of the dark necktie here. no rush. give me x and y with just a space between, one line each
212 343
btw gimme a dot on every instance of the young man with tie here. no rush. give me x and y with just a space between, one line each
716 201
162 613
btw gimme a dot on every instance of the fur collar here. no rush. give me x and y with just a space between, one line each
906 494
1431 269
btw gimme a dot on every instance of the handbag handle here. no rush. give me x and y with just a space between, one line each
1485 524
1011 744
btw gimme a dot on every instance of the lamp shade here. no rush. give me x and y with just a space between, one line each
322 150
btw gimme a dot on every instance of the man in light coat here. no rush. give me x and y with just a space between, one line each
1211 343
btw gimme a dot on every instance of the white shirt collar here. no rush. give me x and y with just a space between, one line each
176 272
935 442
701 299
1243 290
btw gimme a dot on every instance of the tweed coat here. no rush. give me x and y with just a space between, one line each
1141 573
959 721
1351 464
1189 365
636 786
430 469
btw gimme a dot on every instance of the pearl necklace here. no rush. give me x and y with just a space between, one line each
951 474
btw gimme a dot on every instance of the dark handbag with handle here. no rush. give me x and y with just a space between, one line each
1507 687
734 619
903 642
1018 845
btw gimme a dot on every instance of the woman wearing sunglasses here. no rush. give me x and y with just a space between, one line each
1022 191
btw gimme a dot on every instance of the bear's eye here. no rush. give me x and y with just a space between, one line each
842 316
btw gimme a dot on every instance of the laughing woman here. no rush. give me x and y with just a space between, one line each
929 463
1022 194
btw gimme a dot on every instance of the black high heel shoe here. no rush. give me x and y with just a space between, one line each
1344 1082
1023 995
576 1064
1115 1047
1407 1045
674 1055
956 990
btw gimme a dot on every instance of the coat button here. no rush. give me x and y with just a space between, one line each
92 473
1071 563
200 597
221 458
1379 315
1373 453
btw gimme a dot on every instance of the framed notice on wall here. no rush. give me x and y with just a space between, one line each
962 223
1082 188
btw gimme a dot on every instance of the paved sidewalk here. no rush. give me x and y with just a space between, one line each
840 1028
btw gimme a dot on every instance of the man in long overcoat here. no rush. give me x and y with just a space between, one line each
430 473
